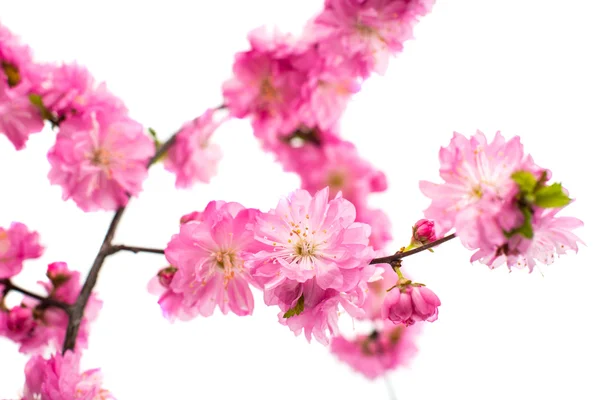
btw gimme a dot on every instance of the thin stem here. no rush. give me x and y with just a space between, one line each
135 249
8 286
400 255
76 315
390 387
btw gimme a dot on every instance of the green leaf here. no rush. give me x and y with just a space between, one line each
551 196
157 142
525 180
296 310
526 229
36 100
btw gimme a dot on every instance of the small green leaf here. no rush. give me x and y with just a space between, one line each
296 310
36 100
551 196
525 180
526 229
157 142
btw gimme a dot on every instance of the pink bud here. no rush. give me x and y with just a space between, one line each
58 273
193 216
423 232
19 323
165 276
410 303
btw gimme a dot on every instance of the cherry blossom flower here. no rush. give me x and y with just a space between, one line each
17 244
193 158
70 90
208 257
100 160
367 31
171 303
315 258
59 378
378 353
423 233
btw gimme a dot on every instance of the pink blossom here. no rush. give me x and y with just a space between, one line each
341 168
314 259
552 235
100 160
193 158
267 82
327 92
410 302
15 59
17 244
473 170
378 353
18 116
310 237
35 327
208 258
19 323
367 31
70 89
58 378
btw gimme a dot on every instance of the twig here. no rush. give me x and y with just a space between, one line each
8 286
135 249
400 255
78 308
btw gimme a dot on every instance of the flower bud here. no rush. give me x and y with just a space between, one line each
423 233
58 273
165 276
19 323
410 302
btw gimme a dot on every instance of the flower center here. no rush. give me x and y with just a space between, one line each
225 261
268 91
304 248
4 242
336 180
100 157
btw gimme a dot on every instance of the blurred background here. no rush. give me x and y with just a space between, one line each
528 68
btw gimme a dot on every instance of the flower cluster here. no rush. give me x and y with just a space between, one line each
35 326
295 89
500 203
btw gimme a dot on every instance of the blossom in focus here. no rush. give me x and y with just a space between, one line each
423 233
410 302
100 160
17 244
378 353
208 257
367 32
500 203
193 158
59 378
314 258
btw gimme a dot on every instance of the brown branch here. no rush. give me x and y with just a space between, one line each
400 255
8 286
135 249
106 249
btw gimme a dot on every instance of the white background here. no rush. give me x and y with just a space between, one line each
524 67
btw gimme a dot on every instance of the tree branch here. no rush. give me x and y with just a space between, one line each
78 308
135 249
8 286
400 255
